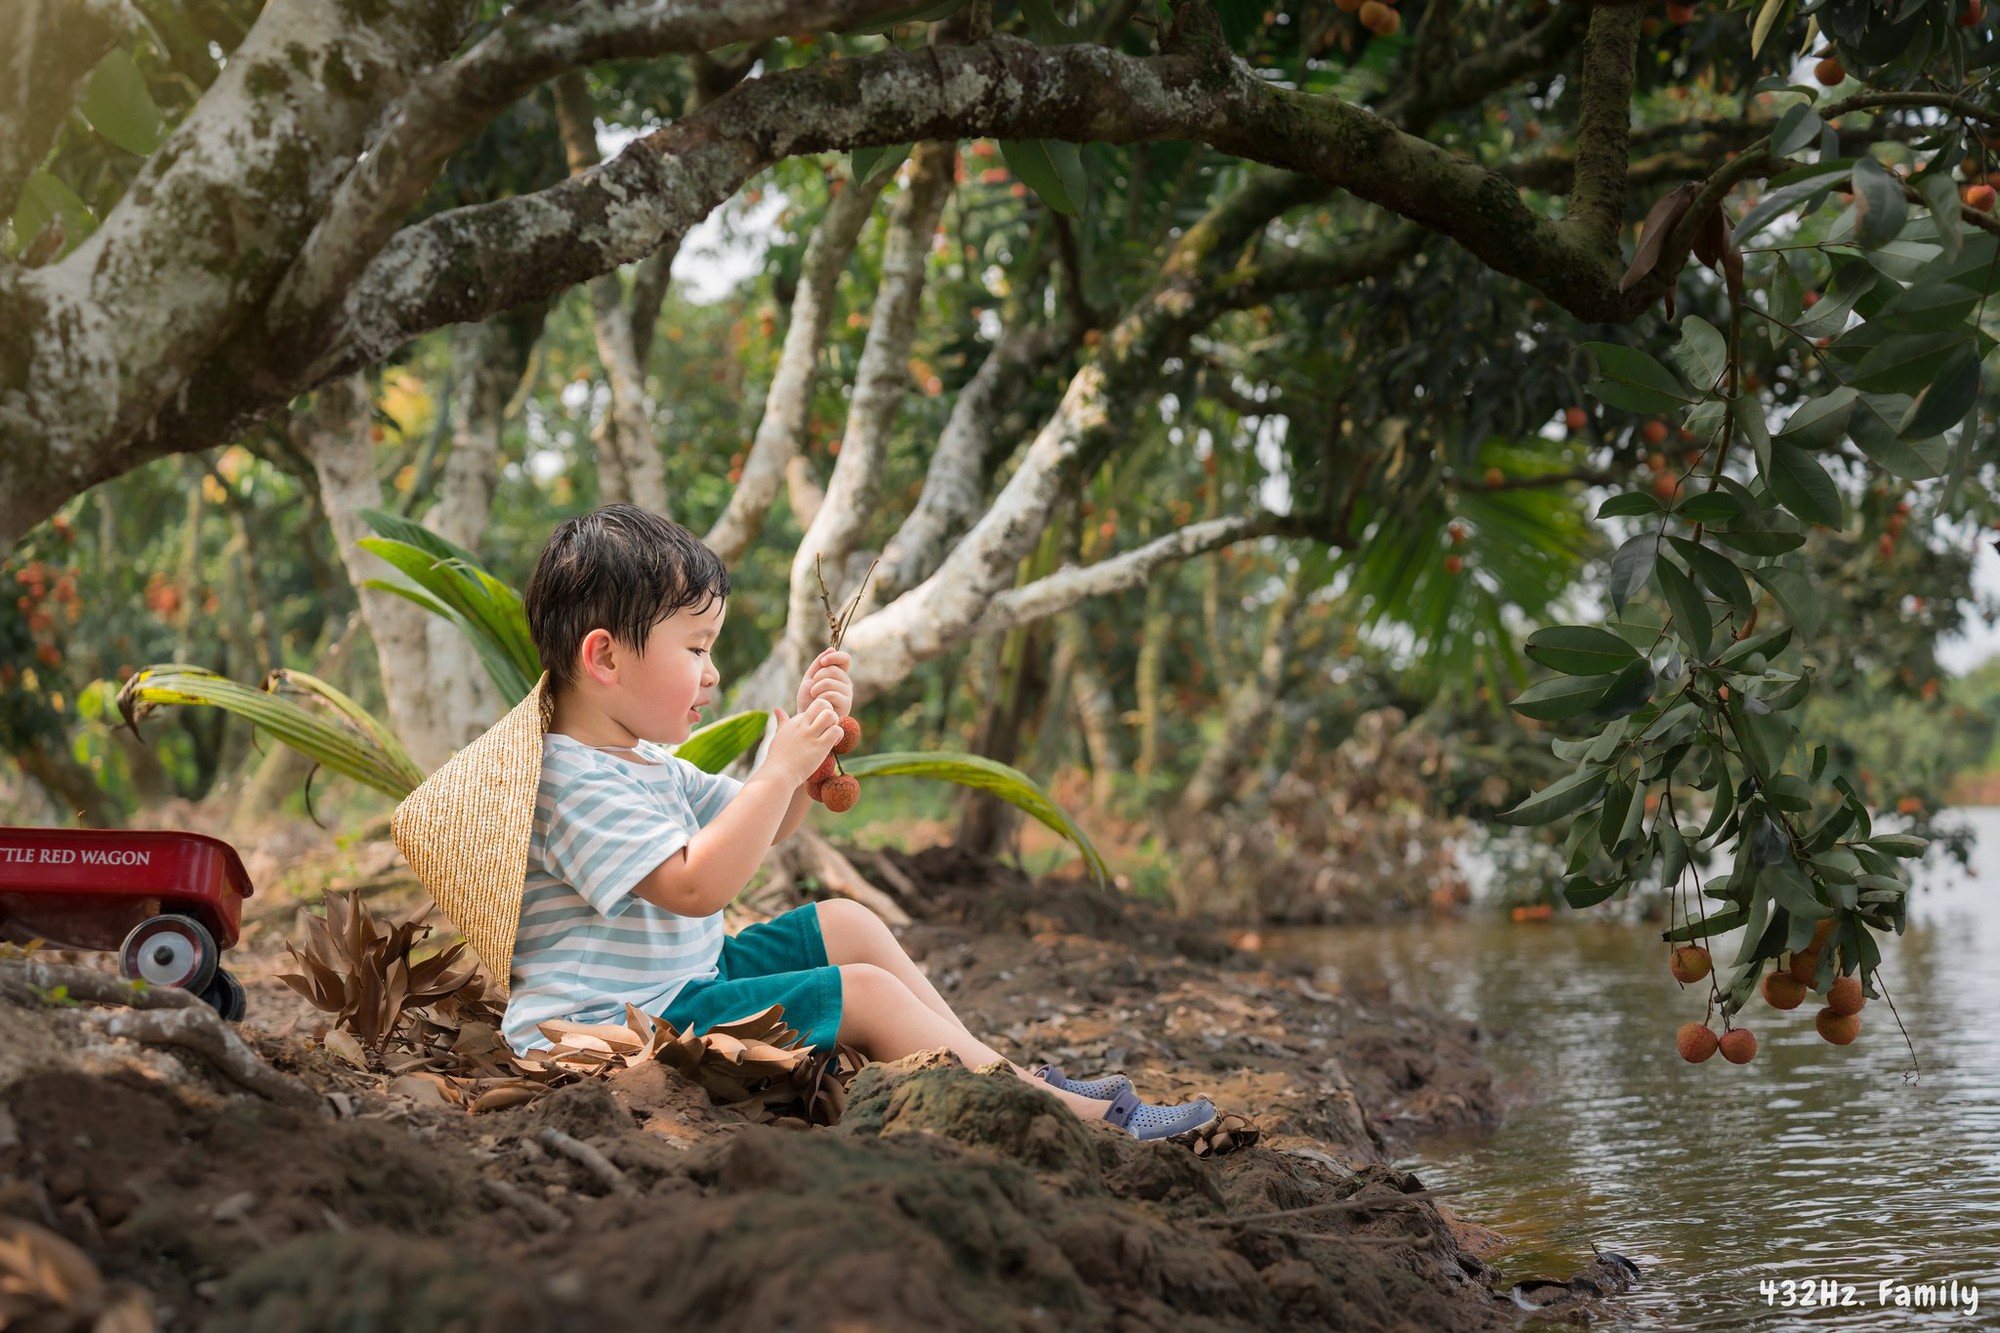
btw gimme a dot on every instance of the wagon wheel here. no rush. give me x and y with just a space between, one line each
170 950
225 995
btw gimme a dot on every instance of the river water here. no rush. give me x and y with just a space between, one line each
1811 1164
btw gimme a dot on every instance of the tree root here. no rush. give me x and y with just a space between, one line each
539 1214
587 1157
202 1031
22 978
807 853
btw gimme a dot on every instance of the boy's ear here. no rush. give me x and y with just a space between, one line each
598 648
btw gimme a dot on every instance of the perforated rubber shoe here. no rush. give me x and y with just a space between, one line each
1142 1120
1100 1089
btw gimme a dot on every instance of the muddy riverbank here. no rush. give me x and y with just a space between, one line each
944 1198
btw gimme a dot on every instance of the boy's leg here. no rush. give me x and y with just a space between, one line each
885 1021
853 934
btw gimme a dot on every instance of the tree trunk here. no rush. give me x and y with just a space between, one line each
69 784
487 363
984 821
1249 710
629 467
1096 709
1153 627
335 435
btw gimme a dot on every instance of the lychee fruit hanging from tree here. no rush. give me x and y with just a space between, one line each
1690 963
1782 990
1739 1046
1844 996
1696 1042
840 793
1840 1029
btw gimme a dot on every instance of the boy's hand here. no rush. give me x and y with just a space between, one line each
803 742
827 679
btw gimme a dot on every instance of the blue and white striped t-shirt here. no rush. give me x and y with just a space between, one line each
587 946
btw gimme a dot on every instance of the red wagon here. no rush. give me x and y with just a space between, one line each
169 903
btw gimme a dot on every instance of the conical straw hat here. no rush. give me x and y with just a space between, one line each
465 830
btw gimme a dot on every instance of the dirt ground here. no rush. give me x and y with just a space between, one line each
945 1198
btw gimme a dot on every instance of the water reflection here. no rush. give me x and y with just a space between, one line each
1813 1162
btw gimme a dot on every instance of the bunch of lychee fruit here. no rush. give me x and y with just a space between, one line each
828 785
1839 1022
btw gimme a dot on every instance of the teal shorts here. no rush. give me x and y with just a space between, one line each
780 961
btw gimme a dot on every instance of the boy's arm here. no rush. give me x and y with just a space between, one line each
700 878
795 815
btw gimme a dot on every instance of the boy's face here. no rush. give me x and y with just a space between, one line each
656 696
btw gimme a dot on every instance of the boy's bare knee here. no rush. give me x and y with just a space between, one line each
846 914
877 984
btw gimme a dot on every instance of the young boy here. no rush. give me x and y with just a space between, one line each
633 853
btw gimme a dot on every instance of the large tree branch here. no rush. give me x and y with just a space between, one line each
1604 121
1123 572
786 404
47 50
880 381
955 482
526 49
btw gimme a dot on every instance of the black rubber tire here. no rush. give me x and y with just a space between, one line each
225 995
169 930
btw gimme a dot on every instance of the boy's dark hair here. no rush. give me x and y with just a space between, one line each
620 568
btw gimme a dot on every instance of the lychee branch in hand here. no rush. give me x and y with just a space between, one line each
829 784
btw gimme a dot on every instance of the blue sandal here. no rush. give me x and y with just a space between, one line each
1102 1089
1142 1120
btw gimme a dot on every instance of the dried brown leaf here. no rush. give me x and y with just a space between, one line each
1660 222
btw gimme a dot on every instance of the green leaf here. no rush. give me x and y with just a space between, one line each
1052 168
340 735
1819 423
970 770
1709 507
1629 504
1761 28
719 744
1673 853
1629 691
1943 402
1631 567
1767 645
1940 191
1803 486
1797 129
1829 316
1795 596
1716 571
486 610
118 106
865 162
1725 803
1691 618
1702 353
1579 891
1564 797
1878 203
45 199
1908 361
1873 430
1580 650
1563 697
1748 413
1905 845
1931 308
1632 397
1630 366
1719 924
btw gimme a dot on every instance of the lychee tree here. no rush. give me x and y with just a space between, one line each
1868 275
